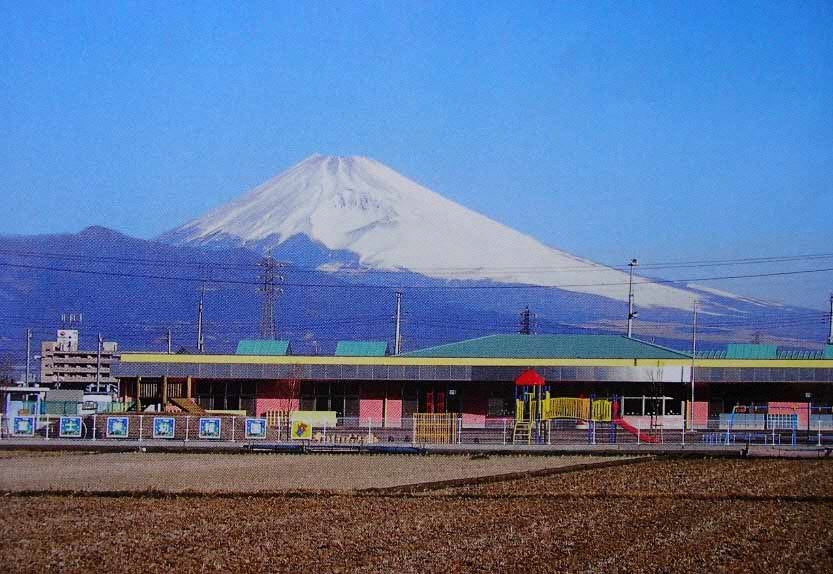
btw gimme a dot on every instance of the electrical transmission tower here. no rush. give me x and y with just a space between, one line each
269 279
527 322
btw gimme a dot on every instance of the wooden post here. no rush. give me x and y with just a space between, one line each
164 391
188 387
138 394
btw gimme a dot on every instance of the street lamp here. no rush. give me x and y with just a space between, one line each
631 312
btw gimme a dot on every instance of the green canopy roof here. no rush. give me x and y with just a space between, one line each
550 347
361 349
751 351
262 347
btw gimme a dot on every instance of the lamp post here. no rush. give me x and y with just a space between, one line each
809 397
631 312
693 359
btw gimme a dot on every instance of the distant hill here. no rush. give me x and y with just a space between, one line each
131 290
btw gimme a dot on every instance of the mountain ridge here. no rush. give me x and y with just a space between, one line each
357 205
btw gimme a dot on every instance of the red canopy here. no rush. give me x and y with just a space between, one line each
529 378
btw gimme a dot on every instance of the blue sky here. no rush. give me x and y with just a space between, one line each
667 131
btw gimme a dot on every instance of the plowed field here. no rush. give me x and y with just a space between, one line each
656 516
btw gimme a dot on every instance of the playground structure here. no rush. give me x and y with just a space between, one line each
536 412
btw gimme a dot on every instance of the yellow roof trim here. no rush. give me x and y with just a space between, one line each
462 362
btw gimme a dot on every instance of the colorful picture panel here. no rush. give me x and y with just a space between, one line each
69 427
255 428
210 427
301 430
23 426
164 427
117 427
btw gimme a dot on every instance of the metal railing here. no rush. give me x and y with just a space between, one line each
165 428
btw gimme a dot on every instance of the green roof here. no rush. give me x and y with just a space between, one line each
712 354
828 351
799 354
361 349
550 347
751 351
262 347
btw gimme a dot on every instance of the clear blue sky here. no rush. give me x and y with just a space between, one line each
666 131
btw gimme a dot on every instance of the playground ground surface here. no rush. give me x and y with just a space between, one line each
656 515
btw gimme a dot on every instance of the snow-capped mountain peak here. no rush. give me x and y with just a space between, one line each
389 222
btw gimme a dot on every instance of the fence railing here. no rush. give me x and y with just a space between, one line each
448 429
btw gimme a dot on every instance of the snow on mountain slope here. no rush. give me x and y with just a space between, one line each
359 205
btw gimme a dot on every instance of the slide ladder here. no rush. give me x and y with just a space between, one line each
522 433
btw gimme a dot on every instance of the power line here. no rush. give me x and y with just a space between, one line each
451 270
488 286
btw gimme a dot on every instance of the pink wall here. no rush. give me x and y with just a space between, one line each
784 408
474 407
277 397
263 405
371 402
393 415
701 413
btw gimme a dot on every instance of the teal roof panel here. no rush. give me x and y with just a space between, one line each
361 349
550 347
751 351
262 347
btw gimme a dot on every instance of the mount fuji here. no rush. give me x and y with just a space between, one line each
352 232
356 212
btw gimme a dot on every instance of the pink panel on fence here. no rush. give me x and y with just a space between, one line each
787 408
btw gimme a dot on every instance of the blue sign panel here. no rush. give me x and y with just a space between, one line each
23 426
164 427
69 427
210 427
255 428
117 427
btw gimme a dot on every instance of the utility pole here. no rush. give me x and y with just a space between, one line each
631 312
200 347
830 335
526 322
98 365
268 287
693 357
397 342
28 355
169 340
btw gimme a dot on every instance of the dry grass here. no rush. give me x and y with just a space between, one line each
658 516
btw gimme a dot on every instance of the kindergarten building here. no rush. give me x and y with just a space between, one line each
477 379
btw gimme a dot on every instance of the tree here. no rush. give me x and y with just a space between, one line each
288 398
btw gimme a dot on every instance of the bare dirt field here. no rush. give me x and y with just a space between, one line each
247 473
655 516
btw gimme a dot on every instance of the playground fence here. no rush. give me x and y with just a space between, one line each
422 429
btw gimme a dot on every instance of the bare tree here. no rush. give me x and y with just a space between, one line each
655 376
288 399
